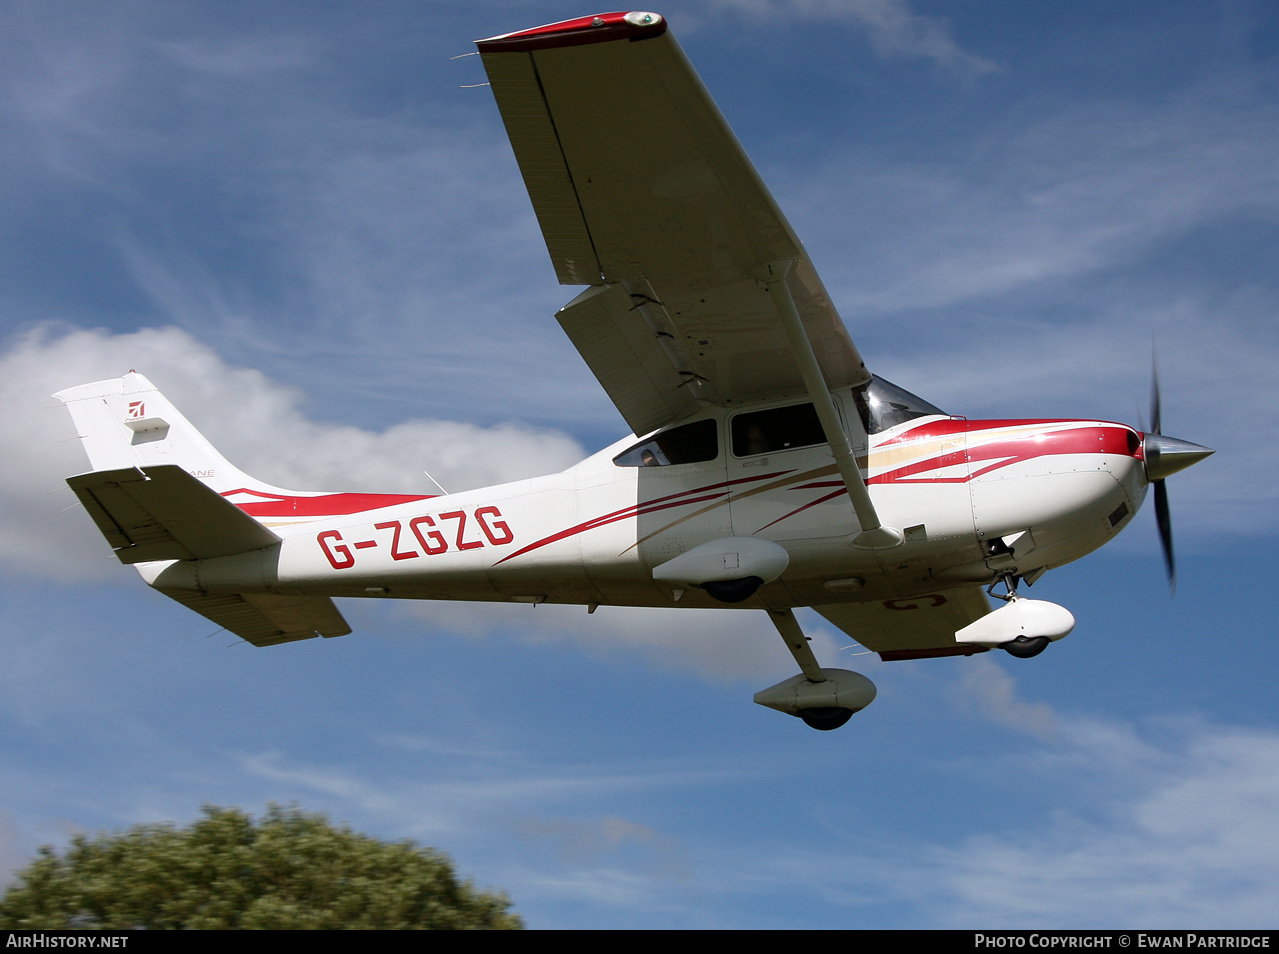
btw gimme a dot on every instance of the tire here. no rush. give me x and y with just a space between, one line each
826 718
1023 647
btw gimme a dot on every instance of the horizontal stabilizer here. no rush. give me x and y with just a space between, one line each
163 513
264 619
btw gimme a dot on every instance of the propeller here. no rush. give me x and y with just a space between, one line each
1163 457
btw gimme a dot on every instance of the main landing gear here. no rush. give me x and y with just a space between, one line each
824 698
827 698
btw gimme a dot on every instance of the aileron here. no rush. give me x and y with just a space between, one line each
542 164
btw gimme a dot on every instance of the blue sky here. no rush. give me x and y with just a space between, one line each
296 223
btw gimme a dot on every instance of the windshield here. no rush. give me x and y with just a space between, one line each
882 404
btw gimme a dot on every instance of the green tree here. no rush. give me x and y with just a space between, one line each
287 870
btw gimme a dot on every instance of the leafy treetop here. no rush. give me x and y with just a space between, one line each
287 870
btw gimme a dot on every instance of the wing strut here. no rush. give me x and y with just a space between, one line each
873 535
788 628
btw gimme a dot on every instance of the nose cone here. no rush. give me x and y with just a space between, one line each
1167 455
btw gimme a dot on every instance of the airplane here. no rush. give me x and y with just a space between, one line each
767 468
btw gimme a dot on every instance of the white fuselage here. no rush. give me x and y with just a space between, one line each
975 500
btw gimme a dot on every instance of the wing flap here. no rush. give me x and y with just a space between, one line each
163 513
914 627
608 330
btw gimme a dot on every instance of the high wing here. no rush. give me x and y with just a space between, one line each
915 627
643 192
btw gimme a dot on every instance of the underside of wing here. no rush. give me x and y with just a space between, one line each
640 186
915 627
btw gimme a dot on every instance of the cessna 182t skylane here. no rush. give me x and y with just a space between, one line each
771 470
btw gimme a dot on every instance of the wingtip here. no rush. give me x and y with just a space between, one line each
632 25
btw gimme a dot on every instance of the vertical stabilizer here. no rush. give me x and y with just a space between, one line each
127 422
161 493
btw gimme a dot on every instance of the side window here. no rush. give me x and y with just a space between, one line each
777 429
686 444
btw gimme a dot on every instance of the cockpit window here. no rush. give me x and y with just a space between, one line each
686 444
882 404
776 429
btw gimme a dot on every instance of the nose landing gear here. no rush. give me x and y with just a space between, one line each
1021 627
1024 647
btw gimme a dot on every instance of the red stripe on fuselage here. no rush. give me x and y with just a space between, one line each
323 505
1088 438
959 425
680 499
1097 439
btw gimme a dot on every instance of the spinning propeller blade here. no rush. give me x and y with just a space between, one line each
1155 414
1165 456
1164 519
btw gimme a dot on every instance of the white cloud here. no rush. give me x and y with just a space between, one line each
1172 824
239 58
719 644
1089 187
1113 825
992 691
1030 274
16 847
581 842
893 28
1184 835
257 423
426 804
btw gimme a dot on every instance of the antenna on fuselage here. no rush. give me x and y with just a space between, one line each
436 482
